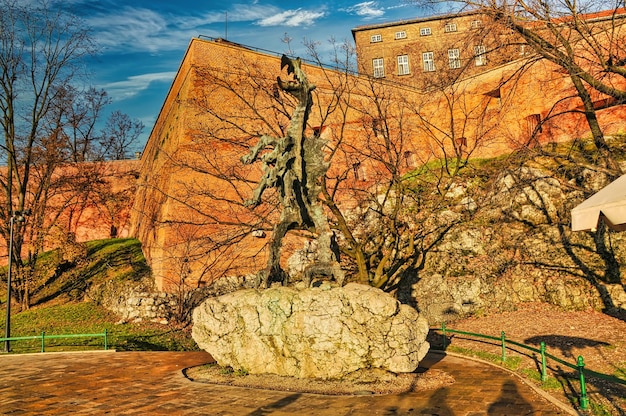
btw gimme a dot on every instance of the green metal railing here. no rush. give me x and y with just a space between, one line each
578 366
43 337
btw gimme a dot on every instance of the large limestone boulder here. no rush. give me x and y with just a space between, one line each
322 332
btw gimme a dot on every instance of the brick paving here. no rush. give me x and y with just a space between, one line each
152 383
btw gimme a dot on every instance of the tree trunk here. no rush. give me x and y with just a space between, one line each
599 141
362 269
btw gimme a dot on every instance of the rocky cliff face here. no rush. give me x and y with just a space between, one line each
518 246
515 245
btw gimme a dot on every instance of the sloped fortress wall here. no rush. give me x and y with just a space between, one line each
188 210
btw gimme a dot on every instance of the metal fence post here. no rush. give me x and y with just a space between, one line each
544 374
584 401
106 343
43 335
443 330
503 347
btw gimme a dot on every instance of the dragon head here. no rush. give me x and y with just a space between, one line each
299 85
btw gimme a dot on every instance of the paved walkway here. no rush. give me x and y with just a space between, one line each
152 383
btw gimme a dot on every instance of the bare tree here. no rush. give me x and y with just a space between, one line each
48 124
396 165
209 182
583 38
377 193
40 49
82 110
120 133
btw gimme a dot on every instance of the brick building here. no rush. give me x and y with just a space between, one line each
188 211
414 51
99 211
417 51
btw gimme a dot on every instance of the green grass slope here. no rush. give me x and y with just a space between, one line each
59 305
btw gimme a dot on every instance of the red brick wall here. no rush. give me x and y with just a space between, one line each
204 126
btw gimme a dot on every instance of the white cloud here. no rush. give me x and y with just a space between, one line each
261 15
399 6
367 9
251 13
134 28
292 18
133 85
140 29
236 13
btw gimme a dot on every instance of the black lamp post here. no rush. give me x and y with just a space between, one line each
16 217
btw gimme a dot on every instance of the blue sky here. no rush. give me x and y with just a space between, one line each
143 41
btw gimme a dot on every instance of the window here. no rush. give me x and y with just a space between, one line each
425 31
403 65
475 24
401 35
428 60
494 94
377 127
409 159
480 58
379 67
461 143
376 38
359 172
454 58
533 125
450 27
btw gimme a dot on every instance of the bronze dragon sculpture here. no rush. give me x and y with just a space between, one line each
294 165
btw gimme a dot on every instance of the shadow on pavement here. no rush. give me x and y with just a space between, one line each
266 410
510 400
431 358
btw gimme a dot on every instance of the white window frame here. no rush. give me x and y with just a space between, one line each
454 58
480 57
376 38
475 24
428 61
379 67
425 31
449 27
401 34
403 65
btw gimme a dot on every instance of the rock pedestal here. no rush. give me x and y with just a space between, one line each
323 332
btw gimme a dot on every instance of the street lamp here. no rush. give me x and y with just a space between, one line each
17 216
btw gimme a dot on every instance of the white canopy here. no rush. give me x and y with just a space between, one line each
609 203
